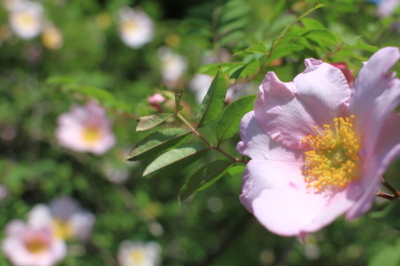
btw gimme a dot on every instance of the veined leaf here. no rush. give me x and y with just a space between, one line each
158 143
175 159
148 122
214 100
255 48
204 177
228 124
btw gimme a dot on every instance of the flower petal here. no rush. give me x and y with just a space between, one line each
258 145
287 112
375 95
266 174
293 209
387 148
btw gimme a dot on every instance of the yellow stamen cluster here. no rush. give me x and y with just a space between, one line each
334 161
36 245
91 134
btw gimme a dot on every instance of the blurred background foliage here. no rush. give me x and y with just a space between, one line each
37 84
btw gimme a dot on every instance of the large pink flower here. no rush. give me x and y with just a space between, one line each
85 129
319 147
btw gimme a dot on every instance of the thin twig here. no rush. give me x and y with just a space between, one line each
212 147
390 187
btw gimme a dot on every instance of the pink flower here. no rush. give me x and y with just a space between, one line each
27 245
66 218
319 147
85 129
155 101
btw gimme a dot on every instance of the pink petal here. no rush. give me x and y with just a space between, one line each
292 209
375 95
258 145
266 174
287 112
386 150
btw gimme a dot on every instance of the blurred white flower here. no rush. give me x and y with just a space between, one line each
135 27
66 218
34 246
200 84
173 66
25 18
139 254
52 37
85 129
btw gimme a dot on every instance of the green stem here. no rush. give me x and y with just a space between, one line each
212 147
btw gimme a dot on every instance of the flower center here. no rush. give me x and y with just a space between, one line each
62 229
91 134
25 19
129 26
138 256
36 245
333 162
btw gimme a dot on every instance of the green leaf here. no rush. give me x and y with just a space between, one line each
316 6
148 122
322 36
214 100
347 40
212 69
389 214
284 50
236 170
158 143
363 46
174 160
312 24
98 93
228 123
232 36
204 177
255 48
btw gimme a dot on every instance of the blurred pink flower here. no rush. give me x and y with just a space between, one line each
155 101
139 254
387 7
85 129
319 147
66 218
27 245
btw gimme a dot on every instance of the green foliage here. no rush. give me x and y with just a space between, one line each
228 123
388 214
151 121
214 100
158 143
204 177
174 160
